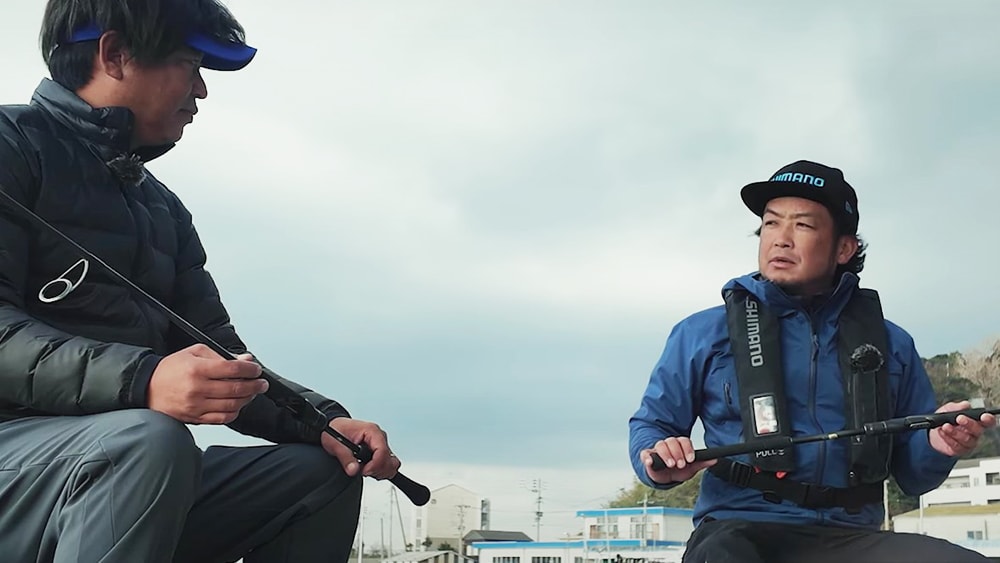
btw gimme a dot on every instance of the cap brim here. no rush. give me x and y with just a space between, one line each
220 55
216 54
757 194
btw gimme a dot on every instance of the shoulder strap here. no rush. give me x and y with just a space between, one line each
755 341
866 394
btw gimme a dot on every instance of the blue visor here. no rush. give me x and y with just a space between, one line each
216 54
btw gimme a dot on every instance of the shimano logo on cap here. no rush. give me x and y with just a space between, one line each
799 177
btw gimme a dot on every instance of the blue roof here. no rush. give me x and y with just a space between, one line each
636 511
571 544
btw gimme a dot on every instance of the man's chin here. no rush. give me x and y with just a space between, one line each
786 283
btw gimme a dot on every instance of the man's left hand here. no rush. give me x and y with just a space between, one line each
959 439
384 464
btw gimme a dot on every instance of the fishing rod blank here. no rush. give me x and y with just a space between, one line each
279 393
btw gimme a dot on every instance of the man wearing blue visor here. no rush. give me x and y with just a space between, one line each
96 386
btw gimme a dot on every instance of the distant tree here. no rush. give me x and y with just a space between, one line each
900 502
681 496
969 375
427 542
445 546
982 367
946 372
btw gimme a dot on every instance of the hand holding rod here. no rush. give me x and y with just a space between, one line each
890 426
277 392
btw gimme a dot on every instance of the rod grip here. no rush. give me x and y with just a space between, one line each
417 493
774 443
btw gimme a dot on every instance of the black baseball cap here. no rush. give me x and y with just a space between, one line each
809 180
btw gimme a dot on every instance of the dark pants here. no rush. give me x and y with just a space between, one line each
716 541
133 486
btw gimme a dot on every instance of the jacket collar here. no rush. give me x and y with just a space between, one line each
783 304
108 130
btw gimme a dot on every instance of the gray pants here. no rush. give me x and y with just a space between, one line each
133 486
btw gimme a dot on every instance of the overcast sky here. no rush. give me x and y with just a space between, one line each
476 222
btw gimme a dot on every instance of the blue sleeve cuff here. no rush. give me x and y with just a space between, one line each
921 468
934 460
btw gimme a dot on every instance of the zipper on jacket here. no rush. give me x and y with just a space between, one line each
813 366
142 260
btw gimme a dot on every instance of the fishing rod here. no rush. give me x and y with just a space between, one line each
890 426
277 392
865 360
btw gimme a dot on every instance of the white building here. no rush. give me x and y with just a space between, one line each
451 512
971 482
953 523
613 535
964 510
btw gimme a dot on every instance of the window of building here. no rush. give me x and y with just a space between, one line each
506 560
956 482
546 560
974 534
993 478
605 528
638 526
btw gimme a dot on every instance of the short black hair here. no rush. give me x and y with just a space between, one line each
857 262
150 29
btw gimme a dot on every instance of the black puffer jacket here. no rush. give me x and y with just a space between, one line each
94 348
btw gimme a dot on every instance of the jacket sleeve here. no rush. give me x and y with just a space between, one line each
41 368
672 399
196 299
917 466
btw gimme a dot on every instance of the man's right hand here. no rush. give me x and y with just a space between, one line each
197 386
678 455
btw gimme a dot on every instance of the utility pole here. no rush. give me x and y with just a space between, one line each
645 521
885 503
536 487
402 529
461 528
361 535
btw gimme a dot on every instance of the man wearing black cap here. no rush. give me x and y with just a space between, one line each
775 360
97 386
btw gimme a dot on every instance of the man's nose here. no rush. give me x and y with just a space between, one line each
783 238
200 89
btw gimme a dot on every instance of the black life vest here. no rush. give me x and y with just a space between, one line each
755 341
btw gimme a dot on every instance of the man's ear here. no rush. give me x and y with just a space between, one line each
847 247
111 55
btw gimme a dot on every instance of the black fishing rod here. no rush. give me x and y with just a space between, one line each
890 426
279 393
